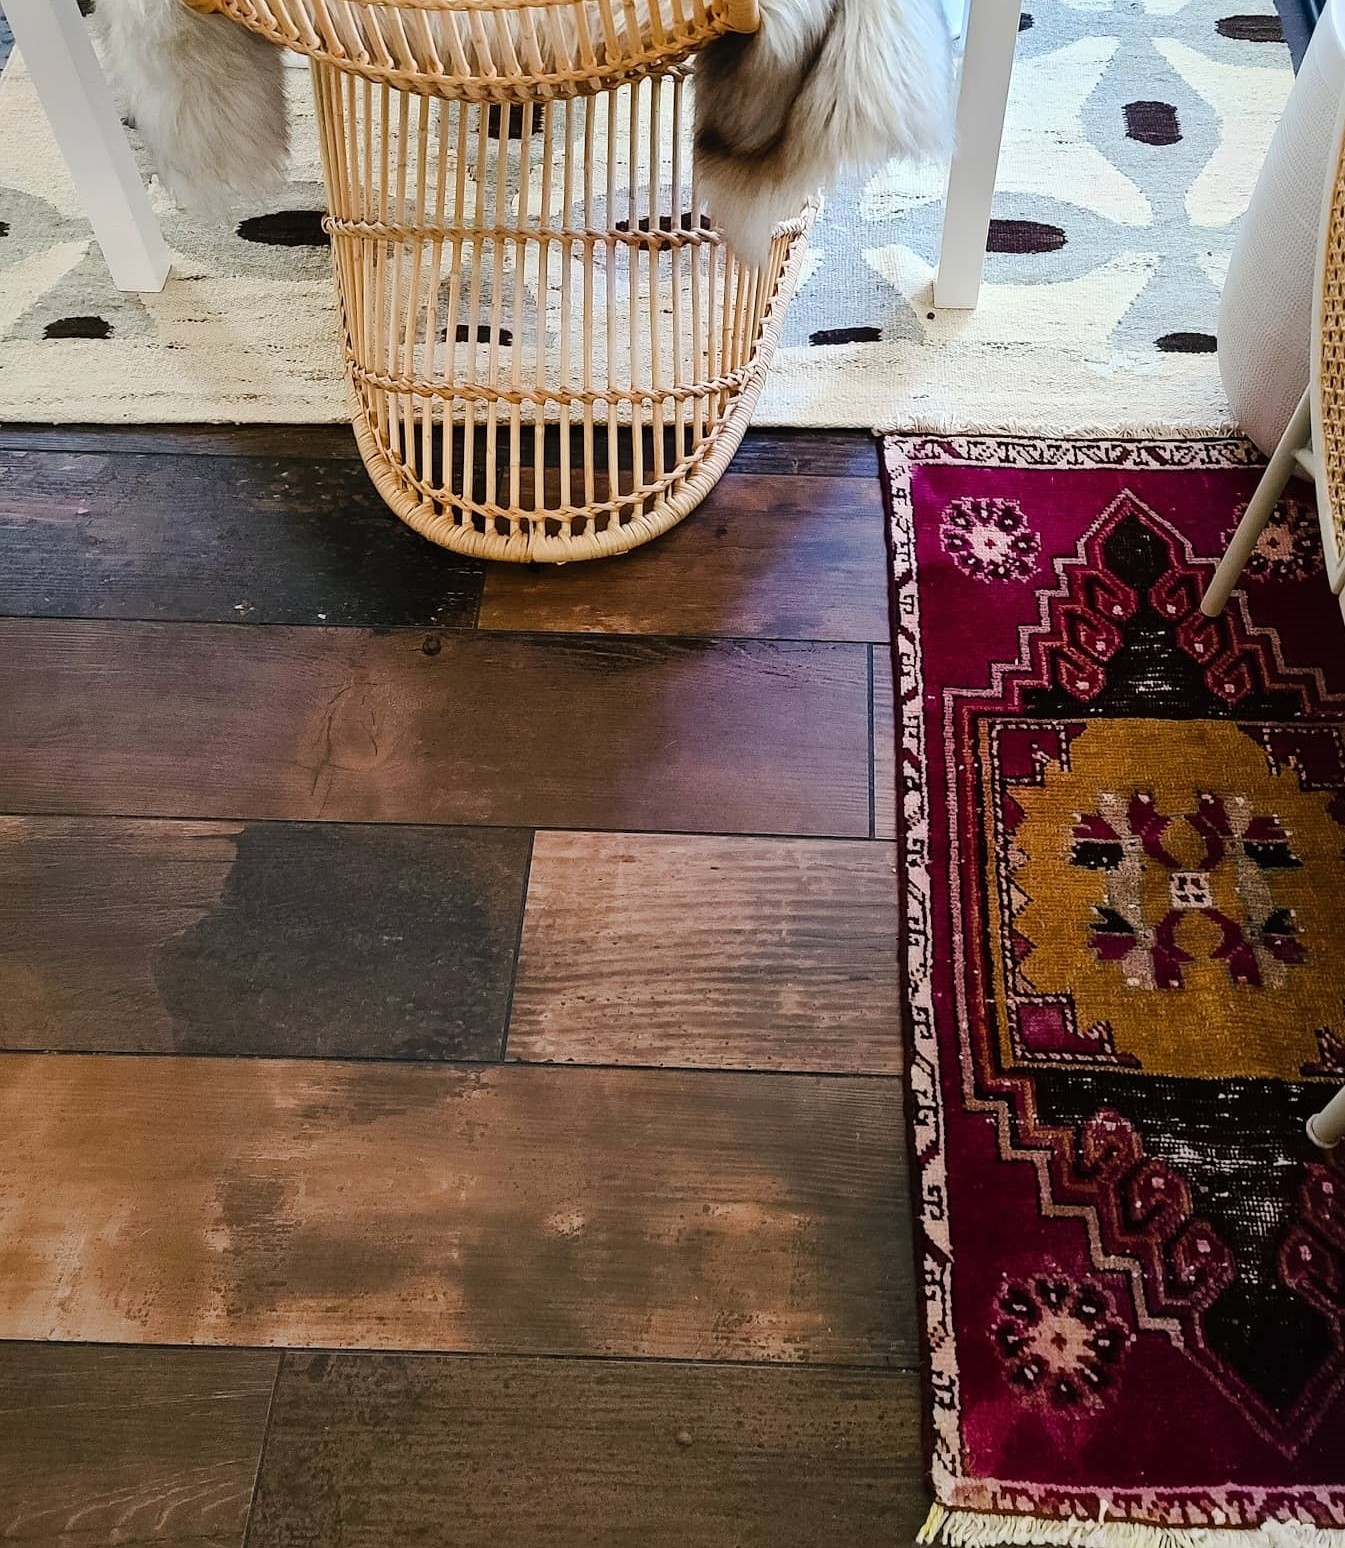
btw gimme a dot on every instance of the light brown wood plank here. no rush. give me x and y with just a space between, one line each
508 1453
764 557
130 1446
310 939
724 952
620 1212
884 748
219 722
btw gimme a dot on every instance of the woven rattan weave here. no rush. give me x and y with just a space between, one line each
551 352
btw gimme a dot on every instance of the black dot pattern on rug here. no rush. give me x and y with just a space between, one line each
285 228
864 335
78 328
464 333
521 121
4 229
1025 21
1152 123
686 222
1187 343
1251 29
1024 236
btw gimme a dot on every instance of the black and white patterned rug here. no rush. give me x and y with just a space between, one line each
1136 129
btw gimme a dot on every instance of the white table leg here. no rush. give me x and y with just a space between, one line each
1327 1128
51 36
982 95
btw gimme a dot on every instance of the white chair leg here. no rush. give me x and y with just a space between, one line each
51 36
1327 1128
1259 511
982 96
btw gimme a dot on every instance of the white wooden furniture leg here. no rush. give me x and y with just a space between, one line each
1262 507
1327 1128
51 36
982 96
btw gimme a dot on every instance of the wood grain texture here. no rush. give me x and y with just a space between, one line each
325 441
729 953
764 557
512 1209
219 722
884 748
271 938
130 1446
509 1453
797 453
223 539
810 454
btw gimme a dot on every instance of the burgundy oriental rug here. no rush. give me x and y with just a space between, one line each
1124 858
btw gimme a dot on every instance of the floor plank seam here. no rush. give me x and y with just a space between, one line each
518 949
261 1450
555 637
379 1061
340 822
828 1367
873 803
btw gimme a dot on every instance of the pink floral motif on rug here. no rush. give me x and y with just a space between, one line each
1123 844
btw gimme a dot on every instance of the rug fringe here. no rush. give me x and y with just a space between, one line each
981 1529
939 427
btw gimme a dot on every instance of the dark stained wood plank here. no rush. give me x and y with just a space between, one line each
809 454
884 748
413 1206
211 721
765 557
745 953
509 1453
186 440
130 1446
796 453
225 539
268 938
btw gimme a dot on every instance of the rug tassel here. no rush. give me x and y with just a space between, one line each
929 1533
982 1529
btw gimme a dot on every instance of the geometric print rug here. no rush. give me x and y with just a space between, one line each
1123 854
1135 132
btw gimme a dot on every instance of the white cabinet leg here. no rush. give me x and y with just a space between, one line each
51 36
1260 508
1327 1128
982 96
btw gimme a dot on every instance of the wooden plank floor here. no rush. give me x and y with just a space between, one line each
449 1022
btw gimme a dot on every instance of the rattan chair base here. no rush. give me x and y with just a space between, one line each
522 258
509 287
533 537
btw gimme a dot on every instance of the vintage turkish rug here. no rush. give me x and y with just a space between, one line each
1124 859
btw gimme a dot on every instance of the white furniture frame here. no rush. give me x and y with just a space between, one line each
1298 452
990 36
55 46
65 71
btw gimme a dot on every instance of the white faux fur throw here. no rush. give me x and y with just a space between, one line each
207 96
823 88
